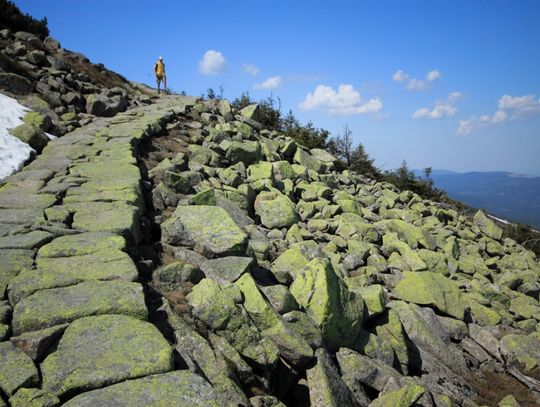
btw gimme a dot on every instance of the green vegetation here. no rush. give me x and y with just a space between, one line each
524 235
11 17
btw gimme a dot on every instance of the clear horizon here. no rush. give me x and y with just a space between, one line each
445 84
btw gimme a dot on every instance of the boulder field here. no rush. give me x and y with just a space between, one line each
180 254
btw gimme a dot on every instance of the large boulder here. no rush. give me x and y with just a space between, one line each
521 350
14 83
291 345
434 289
326 387
209 229
252 112
103 350
285 267
338 311
220 308
56 306
175 389
31 135
275 210
487 226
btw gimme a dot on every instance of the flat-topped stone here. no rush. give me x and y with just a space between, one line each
175 389
84 243
102 350
22 216
118 218
56 306
104 265
28 241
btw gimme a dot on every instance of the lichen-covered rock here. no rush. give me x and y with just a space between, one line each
209 229
216 367
36 343
34 398
103 350
337 311
357 369
219 307
16 369
487 226
245 152
291 345
426 288
326 387
105 265
280 298
226 269
57 306
374 297
521 350
12 262
429 337
294 259
275 210
252 112
260 171
81 244
389 329
118 218
304 158
175 389
405 397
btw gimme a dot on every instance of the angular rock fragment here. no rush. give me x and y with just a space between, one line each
16 369
209 229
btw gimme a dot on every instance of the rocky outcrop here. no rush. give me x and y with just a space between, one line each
179 253
63 86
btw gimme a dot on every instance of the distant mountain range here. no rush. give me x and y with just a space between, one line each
504 194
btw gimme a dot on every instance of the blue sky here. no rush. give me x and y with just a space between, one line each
448 84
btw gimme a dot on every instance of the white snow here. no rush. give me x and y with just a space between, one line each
13 152
506 222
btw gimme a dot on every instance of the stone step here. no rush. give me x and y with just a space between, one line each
57 306
102 350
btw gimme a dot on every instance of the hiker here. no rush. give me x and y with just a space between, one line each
159 70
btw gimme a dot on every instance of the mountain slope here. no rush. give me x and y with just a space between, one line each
504 194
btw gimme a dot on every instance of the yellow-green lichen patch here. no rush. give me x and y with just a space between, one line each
434 289
209 229
102 350
60 305
16 369
84 243
107 264
174 389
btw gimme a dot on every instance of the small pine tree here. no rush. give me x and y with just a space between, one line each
361 163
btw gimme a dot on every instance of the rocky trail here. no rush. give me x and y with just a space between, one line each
180 254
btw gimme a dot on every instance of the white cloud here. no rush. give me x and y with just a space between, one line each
417 84
400 76
272 82
346 101
520 105
251 69
510 108
433 75
212 63
442 108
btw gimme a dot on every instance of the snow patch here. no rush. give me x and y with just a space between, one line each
13 152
